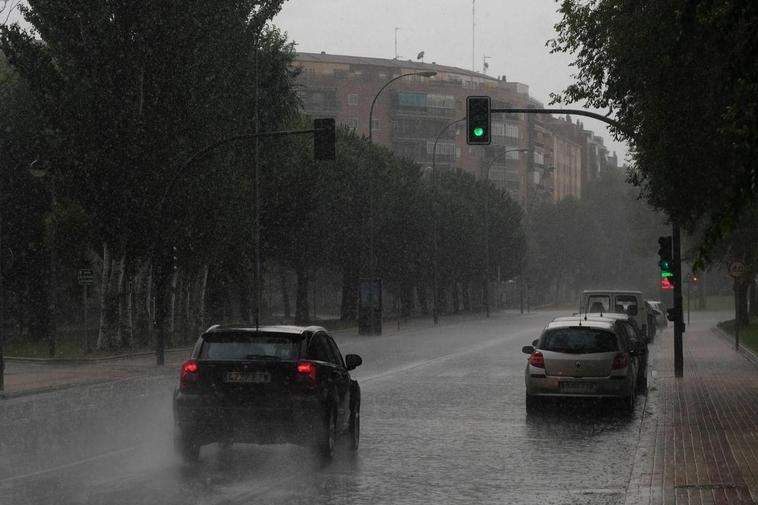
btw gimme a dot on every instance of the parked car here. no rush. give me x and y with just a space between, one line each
602 301
660 313
581 356
273 384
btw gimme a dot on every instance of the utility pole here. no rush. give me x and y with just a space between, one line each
473 35
679 313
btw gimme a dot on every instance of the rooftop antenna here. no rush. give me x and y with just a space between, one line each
473 34
485 65
397 29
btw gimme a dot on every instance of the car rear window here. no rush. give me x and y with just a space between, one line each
578 340
598 303
250 346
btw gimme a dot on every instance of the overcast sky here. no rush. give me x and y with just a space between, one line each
512 33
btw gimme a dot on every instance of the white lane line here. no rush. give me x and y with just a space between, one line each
71 465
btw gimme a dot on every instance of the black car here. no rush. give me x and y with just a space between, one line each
273 384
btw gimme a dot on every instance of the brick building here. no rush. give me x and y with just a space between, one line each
555 156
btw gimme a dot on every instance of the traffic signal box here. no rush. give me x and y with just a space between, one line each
478 122
324 139
666 262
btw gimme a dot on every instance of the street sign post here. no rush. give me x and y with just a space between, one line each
736 270
86 278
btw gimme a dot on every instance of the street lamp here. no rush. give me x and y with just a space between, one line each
425 73
435 281
372 257
40 173
486 176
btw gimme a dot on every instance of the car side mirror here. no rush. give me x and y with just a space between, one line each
534 342
353 361
527 349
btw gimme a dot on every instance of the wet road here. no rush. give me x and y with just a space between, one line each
443 421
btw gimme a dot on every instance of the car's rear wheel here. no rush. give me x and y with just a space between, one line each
629 401
186 446
355 428
330 436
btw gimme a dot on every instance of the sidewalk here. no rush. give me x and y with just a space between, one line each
28 377
699 436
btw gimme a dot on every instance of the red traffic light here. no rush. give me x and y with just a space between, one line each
666 283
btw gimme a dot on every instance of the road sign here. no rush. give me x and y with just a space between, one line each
736 269
86 277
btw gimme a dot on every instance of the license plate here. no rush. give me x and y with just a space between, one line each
247 377
577 387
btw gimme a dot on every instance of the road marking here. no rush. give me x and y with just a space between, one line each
71 465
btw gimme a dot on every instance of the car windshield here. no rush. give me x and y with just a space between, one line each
242 346
578 340
417 190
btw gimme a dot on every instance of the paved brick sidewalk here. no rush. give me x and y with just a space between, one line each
699 436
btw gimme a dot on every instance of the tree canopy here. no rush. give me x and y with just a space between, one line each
681 77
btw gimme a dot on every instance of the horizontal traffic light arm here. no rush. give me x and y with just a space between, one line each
577 112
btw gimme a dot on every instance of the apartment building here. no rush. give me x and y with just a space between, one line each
530 154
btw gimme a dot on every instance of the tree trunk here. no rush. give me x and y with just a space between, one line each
172 307
102 339
349 302
456 297
422 300
201 300
285 293
123 331
301 301
741 290
753 297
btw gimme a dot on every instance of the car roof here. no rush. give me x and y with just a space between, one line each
574 321
279 328
612 291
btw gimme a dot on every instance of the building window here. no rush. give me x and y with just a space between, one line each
411 100
511 130
374 124
352 99
498 129
539 157
351 122
443 148
512 155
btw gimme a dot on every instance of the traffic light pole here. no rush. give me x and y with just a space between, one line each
679 320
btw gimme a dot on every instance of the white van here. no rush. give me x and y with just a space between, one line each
618 301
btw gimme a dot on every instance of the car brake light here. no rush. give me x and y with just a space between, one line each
620 360
188 374
306 369
537 360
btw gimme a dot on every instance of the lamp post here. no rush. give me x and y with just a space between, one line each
372 255
486 176
41 173
435 279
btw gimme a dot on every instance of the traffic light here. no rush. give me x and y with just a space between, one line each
478 122
323 139
666 262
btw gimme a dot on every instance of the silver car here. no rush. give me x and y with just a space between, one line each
582 357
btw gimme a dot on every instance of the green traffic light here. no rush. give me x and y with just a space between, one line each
666 275
478 131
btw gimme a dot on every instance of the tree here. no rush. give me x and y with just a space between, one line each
681 78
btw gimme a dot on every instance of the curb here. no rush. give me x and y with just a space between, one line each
748 353
85 361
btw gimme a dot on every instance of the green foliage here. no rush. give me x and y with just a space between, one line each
681 77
